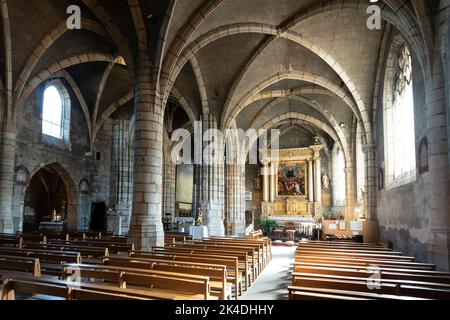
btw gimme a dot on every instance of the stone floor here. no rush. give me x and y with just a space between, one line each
273 282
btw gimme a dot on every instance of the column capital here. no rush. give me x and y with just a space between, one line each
316 149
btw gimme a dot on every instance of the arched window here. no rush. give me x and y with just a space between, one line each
399 123
52 113
56 113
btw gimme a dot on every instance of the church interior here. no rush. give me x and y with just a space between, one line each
224 149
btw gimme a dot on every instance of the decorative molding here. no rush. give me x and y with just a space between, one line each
294 154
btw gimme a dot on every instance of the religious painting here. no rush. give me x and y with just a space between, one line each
185 184
291 179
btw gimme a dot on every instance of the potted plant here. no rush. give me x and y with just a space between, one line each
268 226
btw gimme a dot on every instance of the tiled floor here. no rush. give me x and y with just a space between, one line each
273 282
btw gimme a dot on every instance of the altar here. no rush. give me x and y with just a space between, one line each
53 226
292 184
198 232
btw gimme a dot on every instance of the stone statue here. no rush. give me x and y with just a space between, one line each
258 184
199 221
363 210
317 140
325 181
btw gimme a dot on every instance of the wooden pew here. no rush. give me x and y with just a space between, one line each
185 287
381 286
324 271
22 264
50 261
341 247
243 261
16 242
85 251
267 242
112 247
232 263
365 262
259 251
246 255
217 273
189 285
349 250
76 291
355 254
307 293
298 265
337 243
39 238
361 268
172 238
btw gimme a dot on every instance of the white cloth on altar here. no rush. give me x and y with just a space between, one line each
198 232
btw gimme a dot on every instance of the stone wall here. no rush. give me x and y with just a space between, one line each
404 212
34 153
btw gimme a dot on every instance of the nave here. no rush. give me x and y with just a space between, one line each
90 266
224 150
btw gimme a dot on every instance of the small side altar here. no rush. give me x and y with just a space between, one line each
57 224
198 232
53 226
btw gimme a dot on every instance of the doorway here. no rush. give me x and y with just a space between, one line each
98 216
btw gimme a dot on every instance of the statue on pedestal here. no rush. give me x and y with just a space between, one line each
317 140
325 181
199 220
362 206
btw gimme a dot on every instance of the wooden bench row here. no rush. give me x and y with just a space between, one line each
12 285
348 270
190 270
217 273
164 279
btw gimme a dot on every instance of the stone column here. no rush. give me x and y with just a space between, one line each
169 186
213 181
266 182
230 194
317 180
272 182
7 160
310 181
197 190
121 178
146 229
371 181
438 162
236 199
349 193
